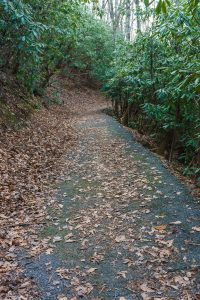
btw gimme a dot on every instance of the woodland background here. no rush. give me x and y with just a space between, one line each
145 54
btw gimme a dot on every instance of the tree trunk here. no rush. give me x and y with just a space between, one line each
128 20
137 6
111 11
126 115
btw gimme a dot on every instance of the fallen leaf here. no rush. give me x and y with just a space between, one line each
83 290
120 238
57 239
68 236
91 270
49 251
75 281
145 288
145 296
56 282
160 227
168 243
195 228
62 297
122 274
176 222
70 241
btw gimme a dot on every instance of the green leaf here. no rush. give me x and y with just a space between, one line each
164 8
168 2
197 89
159 7
35 33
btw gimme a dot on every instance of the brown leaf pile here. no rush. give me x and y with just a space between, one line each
31 159
29 156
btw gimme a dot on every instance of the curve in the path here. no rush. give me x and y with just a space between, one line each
128 228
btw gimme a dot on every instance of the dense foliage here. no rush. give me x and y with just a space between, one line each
155 84
153 80
38 37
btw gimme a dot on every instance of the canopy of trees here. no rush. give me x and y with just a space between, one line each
146 54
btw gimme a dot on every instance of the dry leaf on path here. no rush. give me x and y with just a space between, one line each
120 238
145 288
160 227
62 297
145 296
195 228
57 239
176 222
68 236
91 270
70 241
83 290
122 274
49 250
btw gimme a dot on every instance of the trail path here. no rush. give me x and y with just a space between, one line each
125 228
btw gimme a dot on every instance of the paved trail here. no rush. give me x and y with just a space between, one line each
123 229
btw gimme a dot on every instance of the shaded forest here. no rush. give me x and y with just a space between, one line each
86 211
144 53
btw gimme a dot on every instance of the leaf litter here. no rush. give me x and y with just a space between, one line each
110 221
32 160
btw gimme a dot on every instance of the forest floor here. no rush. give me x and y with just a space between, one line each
102 218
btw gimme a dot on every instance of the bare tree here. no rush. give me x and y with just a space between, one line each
111 10
137 6
114 12
122 15
128 20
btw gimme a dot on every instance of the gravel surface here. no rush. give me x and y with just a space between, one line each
128 229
